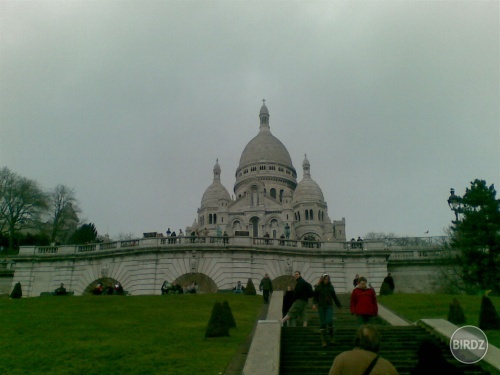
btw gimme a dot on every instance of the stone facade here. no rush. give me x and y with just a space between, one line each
267 199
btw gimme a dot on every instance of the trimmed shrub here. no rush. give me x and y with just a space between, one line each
217 327
228 315
488 316
456 313
250 288
17 292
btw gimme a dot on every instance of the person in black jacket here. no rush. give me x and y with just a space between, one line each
324 296
266 287
302 292
432 361
288 300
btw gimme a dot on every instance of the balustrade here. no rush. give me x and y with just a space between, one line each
414 248
47 250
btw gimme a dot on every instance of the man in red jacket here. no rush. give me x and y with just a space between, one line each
363 302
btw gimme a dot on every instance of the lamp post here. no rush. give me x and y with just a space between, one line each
454 203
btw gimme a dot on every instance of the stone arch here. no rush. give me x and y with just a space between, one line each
283 282
205 283
105 281
307 235
254 226
273 219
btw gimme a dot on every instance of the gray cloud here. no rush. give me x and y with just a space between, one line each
130 103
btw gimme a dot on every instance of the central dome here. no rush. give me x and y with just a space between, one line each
265 147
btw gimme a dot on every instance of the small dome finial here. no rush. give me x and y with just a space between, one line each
264 116
306 166
217 170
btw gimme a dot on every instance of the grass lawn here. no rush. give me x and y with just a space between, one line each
436 306
119 335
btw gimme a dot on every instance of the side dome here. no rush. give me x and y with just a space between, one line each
216 191
308 190
213 194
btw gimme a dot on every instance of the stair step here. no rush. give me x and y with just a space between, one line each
302 353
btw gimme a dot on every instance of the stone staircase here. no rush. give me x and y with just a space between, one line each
301 351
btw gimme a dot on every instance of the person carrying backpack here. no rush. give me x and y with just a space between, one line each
302 292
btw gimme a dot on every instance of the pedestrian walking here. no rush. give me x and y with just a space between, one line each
302 292
324 297
363 302
266 286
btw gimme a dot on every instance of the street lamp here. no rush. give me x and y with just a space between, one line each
454 203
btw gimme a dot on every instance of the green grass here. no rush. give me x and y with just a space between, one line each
436 306
119 335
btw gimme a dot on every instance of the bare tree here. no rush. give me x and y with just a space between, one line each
64 212
22 202
126 236
378 236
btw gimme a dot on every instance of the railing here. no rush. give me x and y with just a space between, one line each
130 243
423 254
83 248
47 250
6 265
402 248
417 241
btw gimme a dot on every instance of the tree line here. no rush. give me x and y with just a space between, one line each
30 215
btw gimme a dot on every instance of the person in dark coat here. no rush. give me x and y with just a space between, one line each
288 300
266 286
390 281
324 297
355 281
61 291
431 360
302 292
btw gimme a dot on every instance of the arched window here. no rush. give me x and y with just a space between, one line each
281 195
215 218
295 216
210 219
273 193
307 214
311 215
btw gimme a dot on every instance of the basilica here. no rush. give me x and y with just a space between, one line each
268 201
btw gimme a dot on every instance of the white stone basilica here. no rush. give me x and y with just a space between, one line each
267 200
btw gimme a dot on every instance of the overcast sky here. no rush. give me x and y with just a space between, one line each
130 103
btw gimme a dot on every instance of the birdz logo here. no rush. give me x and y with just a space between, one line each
469 344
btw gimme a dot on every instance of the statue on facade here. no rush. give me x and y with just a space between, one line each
287 231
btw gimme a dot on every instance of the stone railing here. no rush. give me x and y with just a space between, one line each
6 265
419 247
402 255
435 241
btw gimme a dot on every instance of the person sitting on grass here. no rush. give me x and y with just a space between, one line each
166 287
239 289
175 289
109 290
119 289
61 291
97 291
